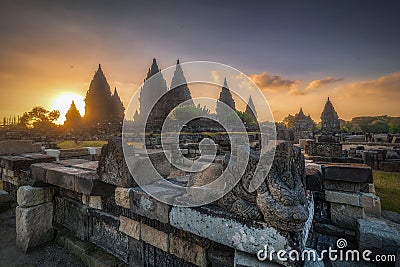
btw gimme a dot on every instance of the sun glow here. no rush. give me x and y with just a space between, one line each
63 102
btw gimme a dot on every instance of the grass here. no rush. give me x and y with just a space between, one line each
80 144
387 185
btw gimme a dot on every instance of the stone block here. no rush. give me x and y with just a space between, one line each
92 201
129 227
5 197
371 204
113 167
226 228
72 215
143 204
346 216
188 251
122 197
28 196
18 147
343 197
342 186
313 178
34 225
154 237
378 235
356 173
106 234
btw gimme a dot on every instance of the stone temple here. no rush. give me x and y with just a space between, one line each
101 106
330 119
225 97
155 92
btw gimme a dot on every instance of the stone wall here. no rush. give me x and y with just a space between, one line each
312 148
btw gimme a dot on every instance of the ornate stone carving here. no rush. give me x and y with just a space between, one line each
281 199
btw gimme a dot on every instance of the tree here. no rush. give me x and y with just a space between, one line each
39 118
187 112
289 121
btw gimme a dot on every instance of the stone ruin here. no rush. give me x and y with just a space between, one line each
98 212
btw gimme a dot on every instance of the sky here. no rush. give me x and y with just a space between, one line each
297 52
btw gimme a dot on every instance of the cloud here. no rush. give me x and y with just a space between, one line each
315 84
272 83
386 85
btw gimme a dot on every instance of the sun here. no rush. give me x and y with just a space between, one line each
63 102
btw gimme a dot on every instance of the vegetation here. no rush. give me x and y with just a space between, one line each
373 124
184 113
80 144
39 118
387 185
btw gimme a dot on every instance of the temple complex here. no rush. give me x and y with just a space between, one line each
303 122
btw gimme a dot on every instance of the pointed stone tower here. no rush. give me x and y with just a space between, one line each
225 97
119 110
151 91
251 110
330 119
98 101
73 118
303 122
179 90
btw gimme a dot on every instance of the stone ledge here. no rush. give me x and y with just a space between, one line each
225 228
80 180
90 254
358 173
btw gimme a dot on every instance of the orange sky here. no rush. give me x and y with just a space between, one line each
43 81
297 54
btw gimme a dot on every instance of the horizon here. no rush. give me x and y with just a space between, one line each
297 54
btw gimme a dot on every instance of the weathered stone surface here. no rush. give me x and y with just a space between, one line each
206 176
154 237
371 204
28 196
188 251
346 216
72 215
106 234
5 200
94 202
18 147
342 186
5 197
357 173
34 225
129 227
391 216
79 180
343 197
378 235
90 255
23 161
313 178
230 230
145 205
331 230
113 168
122 197
312 148
280 199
